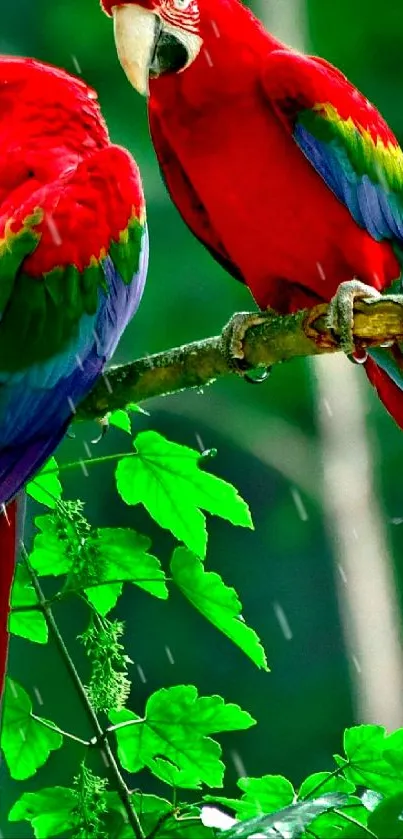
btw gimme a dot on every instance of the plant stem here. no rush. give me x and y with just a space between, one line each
88 461
111 762
112 728
322 783
161 821
61 731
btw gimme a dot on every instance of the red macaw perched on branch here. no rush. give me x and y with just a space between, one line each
73 262
287 174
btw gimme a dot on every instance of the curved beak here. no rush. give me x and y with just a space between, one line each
136 34
147 46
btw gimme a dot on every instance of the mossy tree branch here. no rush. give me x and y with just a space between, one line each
279 338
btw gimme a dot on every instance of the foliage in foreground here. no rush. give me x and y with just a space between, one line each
174 736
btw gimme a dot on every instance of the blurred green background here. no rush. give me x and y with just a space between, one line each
268 441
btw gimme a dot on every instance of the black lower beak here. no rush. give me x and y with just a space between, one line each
169 55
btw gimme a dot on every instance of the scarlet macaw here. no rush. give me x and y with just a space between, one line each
73 263
287 173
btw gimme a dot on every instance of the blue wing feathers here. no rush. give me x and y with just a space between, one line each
372 205
36 405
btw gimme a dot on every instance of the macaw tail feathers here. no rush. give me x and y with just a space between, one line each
384 368
16 467
8 535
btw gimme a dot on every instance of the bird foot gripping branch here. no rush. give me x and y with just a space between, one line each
358 317
340 314
232 342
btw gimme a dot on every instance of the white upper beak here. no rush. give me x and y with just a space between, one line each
135 32
137 35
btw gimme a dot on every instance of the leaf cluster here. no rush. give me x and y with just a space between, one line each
174 737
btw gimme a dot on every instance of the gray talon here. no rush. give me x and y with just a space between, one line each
340 316
233 337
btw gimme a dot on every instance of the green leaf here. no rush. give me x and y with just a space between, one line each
173 740
149 809
260 796
166 478
387 819
367 765
333 825
393 751
217 602
120 419
153 811
25 742
288 823
45 487
264 795
30 624
322 782
123 556
110 553
50 811
49 556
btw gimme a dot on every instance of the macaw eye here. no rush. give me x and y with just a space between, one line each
182 5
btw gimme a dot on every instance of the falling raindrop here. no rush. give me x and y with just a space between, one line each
199 442
141 673
301 509
13 688
76 64
169 655
342 573
215 29
87 449
84 468
38 696
107 383
104 758
208 58
56 237
327 408
71 405
283 621
96 338
239 764
357 664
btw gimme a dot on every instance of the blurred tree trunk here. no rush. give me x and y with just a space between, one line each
363 565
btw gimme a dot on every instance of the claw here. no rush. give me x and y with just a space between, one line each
340 316
104 423
233 338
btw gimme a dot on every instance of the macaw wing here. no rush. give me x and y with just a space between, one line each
73 262
186 199
353 149
343 136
